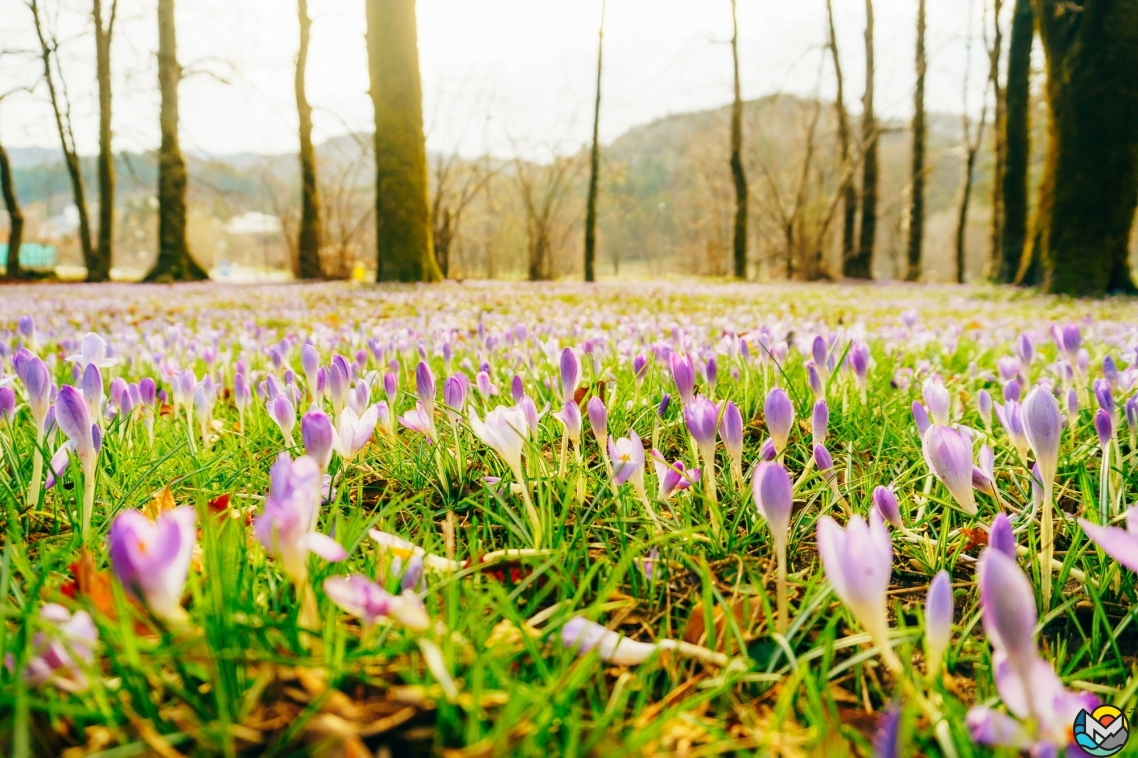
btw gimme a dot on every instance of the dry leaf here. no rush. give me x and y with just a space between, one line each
162 501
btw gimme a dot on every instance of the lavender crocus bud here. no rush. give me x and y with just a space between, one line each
859 363
517 389
318 436
1103 396
938 401
886 503
1130 409
938 620
1000 536
662 408
1012 390
983 474
283 413
390 387
413 577
702 419
570 374
598 420
1072 340
818 350
425 384
858 561
819 422
1072 403
1110 370
773 494
815 381
920 418
570 416
639 369
887 733
1025 349
1104 425
1007 603
241 395
92 386
26 327
454 393
712 374
984 404
948 454
1011 416
683 374
767 450
779 413
338 383
310 362
7 405
37 382
822 458
1043 425
152 559
731 432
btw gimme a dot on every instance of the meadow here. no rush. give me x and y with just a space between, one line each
655 518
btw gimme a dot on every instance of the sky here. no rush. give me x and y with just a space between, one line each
502 76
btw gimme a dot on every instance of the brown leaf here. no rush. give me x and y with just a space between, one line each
91 584
161 502
695 631
976 537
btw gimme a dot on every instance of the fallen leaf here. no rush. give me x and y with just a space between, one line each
161 502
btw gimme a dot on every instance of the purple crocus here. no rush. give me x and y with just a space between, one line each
773 495
938 620
683 374
1104 426
283 414
1119 544
1001 538
598 421
731 432
152 558
286 527
319 437
570 374
7 405
570 417
702 419
73 418
454 396
820 422
886 503
984 405
948 453
1011 417
672 477
779 414
62 651
369 602
1043 426
921 419
983 473
419 419
627 454
938 401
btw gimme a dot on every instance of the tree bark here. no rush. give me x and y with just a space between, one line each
1017 142
15 217
999 119
860 266
61 109
1092 155
174 260
594 167
737 173
99 270
311 235
848 191
402 215
917 196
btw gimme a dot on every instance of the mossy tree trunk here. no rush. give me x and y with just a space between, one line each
174 260
999 118
100 268
860 266
402 214
594 167
311 235
737 173
1092 156
1017 142
917 180
848 191
15 216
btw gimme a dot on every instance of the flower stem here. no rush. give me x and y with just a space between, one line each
1046 545
88 502
783 604
37 471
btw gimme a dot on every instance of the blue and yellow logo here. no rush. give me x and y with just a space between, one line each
1103 732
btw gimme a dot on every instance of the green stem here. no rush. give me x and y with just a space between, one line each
37 471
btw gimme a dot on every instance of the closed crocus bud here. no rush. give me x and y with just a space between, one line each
118 389
1105 428
37 382
1103 396
7 405
859 362
282 412
938 401
814 379
858 561
584 636
920 418
702 419
482 381
310 362
885 500
767 450
505 431
598 420
712 374
938 620
390 387
819 422
1011 416
822 458
773 495
1043 425
152 559
1130 409
1072 403
570 416
570 374
1072 341
1000 536
731 431
92 386
318 436
425 384
517 389
984 404
639 369
241 395
454 393
779 413
948 454
662 408
1012 390
683 375
1110 370
26 326
338 384
1025 349
1007 603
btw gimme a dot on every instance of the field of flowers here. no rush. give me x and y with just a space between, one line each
510 519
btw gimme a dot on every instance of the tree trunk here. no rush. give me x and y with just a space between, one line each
402 215
999 118
15 216
1092 152
174 260
917 197
311 235
962 209
737 172
594 167
99 270
848 191
860 266
61 109
1017 142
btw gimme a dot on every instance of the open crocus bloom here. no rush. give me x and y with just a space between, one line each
59 653
420 420
948 453
355 431
152 558
672 477
504 431
1119 544
369 602
93 350
397 547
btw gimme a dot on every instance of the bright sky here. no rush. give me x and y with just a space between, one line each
496 73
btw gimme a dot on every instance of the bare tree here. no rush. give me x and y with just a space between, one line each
969 150
451 201
104 31
737 173
174 259
998 118
860 266
311 234
594 166
916 215
542 190
15 215
849 192
61 109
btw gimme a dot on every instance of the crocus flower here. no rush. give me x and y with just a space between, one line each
773 495
570 417
286 526
1119 544
627 454
948 454
598 422
662 407
814 379
938 620
319 436
858 561
454 396
1104 426
355 431
984 404
152 558
204 398
672 477
310 363
1043 425
1011 417
938 401
7 405
819 422
73 418
93 350
570 374
63 650
683 374
38 385
1000 536
585 636
505 431
731 432
702 419
779 414
887 733
91 385
983 473
369 602
921 419
419 419
1103 395
283 414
